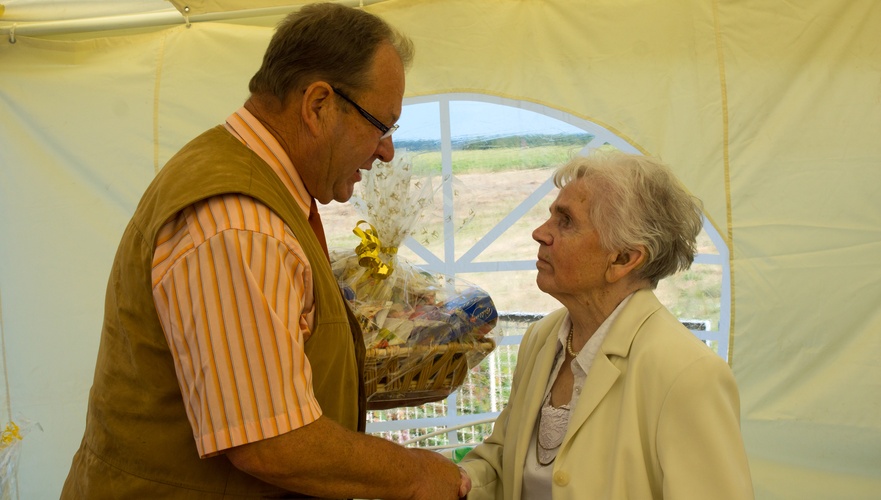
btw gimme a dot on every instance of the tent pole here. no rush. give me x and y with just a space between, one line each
168 17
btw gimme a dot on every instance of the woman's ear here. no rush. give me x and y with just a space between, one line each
316 108
622 263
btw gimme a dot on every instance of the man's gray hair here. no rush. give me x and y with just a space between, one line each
328 42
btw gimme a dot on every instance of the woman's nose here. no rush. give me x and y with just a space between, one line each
540 235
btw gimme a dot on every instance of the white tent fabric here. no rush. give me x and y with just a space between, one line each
769 111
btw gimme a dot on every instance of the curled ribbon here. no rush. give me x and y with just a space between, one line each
369 249
10 435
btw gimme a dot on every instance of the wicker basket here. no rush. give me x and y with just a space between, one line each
393 379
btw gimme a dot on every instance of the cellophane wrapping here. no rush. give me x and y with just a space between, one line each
11 439
423 331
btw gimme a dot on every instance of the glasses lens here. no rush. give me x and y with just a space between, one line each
390 131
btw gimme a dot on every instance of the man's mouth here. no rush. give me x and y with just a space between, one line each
358 175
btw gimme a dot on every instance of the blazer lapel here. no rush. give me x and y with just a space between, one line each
603 373
600 379
530 395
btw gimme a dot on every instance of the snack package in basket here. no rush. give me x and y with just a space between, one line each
423 331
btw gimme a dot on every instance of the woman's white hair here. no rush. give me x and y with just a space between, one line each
636 201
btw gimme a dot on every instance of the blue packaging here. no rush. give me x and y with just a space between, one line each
472 312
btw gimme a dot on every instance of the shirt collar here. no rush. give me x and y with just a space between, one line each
582 363
592 345
248 129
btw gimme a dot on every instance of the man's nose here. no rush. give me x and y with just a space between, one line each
385 150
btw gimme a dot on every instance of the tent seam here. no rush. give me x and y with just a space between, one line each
726 164
5 363
160 57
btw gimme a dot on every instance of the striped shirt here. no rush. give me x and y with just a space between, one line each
233 290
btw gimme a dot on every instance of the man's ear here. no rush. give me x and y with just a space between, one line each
316 108
623 263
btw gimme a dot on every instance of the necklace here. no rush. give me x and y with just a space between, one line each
552 424
572 353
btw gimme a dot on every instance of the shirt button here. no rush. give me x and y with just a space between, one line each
561 478
578 390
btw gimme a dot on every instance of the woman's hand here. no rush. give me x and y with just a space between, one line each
464 484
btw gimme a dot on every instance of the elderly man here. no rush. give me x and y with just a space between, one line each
229 364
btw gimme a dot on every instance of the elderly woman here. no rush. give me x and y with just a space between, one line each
612 397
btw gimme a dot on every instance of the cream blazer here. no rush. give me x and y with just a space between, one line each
658 417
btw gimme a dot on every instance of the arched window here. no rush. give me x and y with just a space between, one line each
494 159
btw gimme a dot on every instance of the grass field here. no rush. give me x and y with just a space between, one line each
494 160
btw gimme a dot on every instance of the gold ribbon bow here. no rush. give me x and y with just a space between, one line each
10 435
369 249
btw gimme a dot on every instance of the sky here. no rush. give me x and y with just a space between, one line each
471 118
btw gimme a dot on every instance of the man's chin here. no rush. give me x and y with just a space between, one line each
345 194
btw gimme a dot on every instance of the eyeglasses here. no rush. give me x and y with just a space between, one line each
386 131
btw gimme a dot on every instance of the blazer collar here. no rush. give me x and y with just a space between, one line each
620 337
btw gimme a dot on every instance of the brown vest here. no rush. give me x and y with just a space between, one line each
138 441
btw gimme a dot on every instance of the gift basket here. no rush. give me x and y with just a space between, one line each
423 331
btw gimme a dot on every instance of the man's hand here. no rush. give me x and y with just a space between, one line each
347 464
441 478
